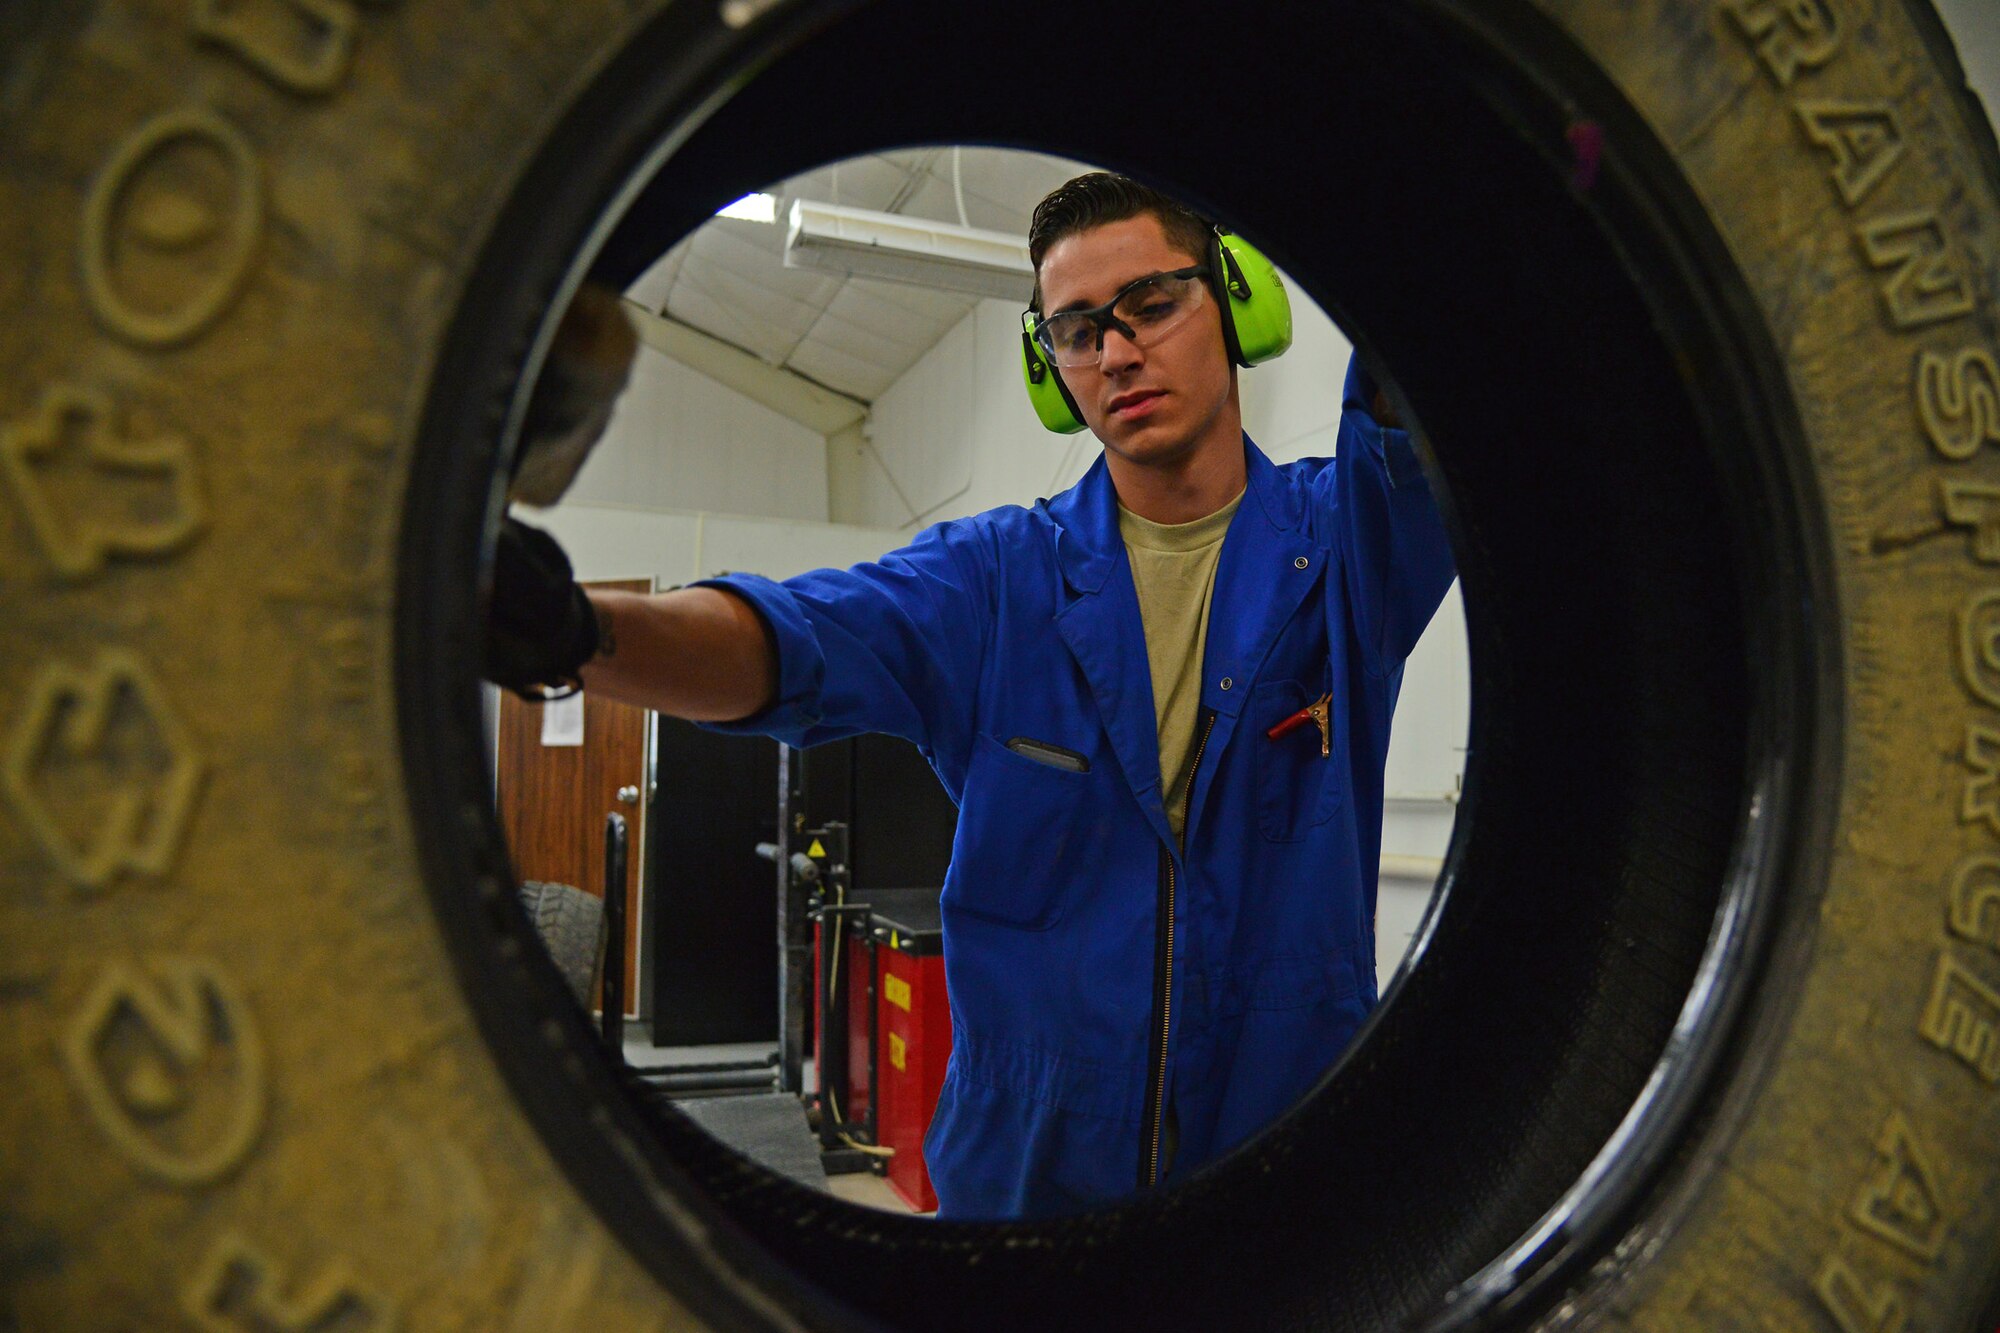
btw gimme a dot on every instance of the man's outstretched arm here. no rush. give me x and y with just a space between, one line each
699 653
696 653
892 645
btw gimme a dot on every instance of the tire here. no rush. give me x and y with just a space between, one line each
571 926
1696 304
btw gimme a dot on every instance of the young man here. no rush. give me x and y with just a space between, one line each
1159 917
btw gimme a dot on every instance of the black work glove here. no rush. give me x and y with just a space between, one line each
540 629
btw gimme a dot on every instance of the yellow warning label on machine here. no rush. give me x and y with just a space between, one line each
897 992
818 848
896 1050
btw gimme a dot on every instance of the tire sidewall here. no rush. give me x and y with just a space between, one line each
334 1128
257 649
1845 1176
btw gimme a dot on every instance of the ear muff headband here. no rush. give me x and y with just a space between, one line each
1256 327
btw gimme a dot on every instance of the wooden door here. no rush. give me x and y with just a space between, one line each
553 798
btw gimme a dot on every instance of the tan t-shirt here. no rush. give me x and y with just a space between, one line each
1173 566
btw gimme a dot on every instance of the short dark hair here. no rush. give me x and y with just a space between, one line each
1099 197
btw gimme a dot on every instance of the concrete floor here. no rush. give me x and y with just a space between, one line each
869 1190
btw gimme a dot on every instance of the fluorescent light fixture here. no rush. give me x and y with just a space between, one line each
752 208
859 243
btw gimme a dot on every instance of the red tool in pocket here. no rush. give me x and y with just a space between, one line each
1320 711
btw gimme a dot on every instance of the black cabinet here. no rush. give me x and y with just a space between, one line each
714 902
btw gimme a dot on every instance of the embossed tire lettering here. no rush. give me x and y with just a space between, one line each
1707 1034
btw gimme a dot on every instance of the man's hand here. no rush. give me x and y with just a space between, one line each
540 628
587 368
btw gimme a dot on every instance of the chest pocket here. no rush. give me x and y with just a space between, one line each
1298 788
1022 834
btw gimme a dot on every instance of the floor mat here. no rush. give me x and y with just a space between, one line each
768 1128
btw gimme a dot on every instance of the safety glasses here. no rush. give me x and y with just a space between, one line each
1144 311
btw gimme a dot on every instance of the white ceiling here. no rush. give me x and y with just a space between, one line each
853 335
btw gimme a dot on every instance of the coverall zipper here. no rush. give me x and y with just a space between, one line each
1163 977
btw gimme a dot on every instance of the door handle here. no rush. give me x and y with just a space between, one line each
629 795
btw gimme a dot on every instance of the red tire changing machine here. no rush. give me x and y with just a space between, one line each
881 1020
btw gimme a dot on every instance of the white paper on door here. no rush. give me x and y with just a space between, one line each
562 721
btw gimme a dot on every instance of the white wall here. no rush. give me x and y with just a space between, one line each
954 435
1975 29
679 547
679 440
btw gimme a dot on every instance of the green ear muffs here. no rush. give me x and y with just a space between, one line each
1256 326
1046 389
1257 317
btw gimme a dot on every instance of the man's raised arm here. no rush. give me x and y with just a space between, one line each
1395 551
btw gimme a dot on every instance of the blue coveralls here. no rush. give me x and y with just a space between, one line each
1072 1024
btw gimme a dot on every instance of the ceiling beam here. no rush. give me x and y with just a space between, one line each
785 392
